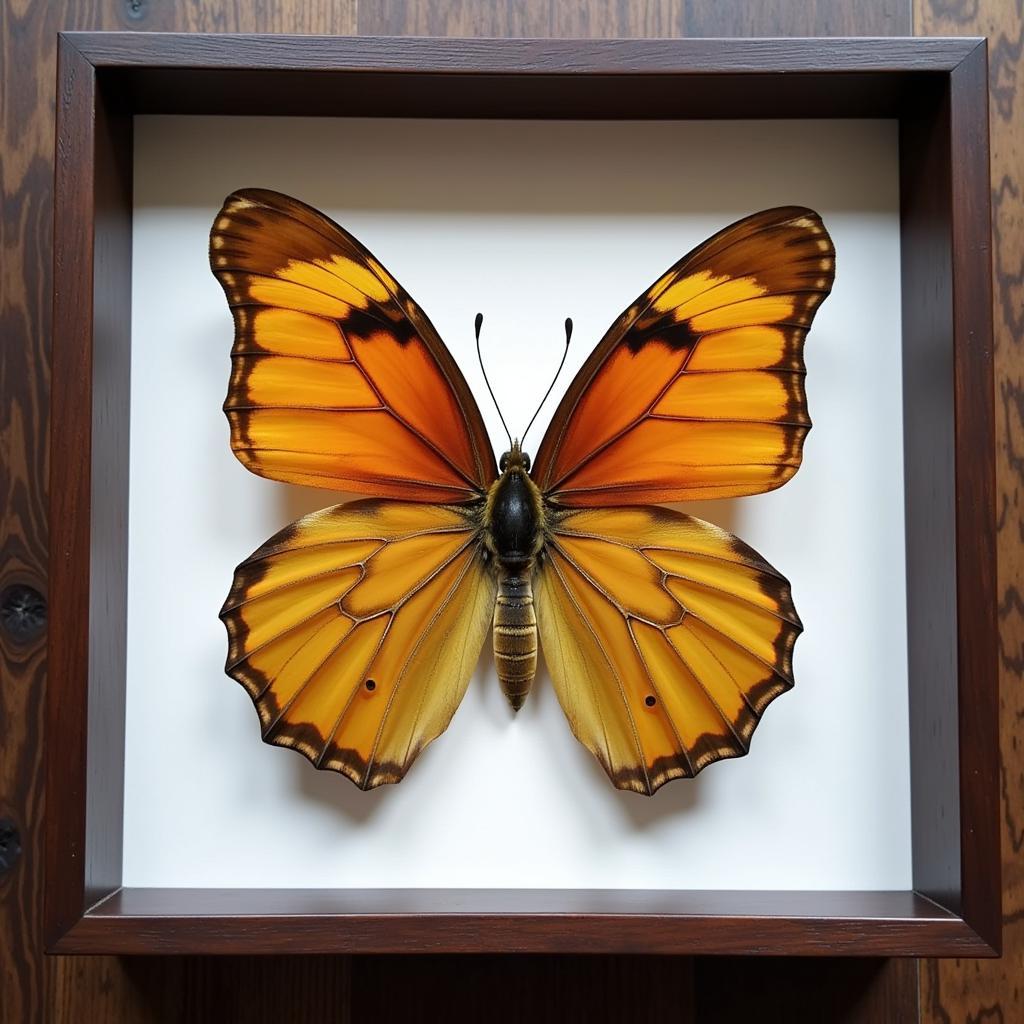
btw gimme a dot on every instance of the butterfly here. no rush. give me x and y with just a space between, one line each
355 629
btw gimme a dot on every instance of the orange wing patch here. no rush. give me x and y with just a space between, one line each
665 637
356 629
338 378
697 390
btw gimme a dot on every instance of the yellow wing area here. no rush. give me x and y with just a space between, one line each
665 638
355 631
697 390
338 378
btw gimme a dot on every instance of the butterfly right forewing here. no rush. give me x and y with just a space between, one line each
697 390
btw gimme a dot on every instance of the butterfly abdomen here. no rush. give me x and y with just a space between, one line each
515 633
513 531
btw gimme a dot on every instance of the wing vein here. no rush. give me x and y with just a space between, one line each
393 614
742 647
401 420
682 748
725 668
366 618
641 756
707 693
424 635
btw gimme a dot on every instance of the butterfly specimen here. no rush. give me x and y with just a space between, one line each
355 629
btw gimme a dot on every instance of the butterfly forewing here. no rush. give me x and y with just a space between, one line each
341 628
339 380
697 390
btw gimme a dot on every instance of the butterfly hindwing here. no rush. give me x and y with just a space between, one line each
665 638
339 380
355 631
697 390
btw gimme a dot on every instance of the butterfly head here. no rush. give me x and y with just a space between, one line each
514 459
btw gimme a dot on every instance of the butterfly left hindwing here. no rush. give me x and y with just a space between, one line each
341 630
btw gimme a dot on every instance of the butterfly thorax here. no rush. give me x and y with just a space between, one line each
514 536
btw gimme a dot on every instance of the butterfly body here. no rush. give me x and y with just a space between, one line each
356 629
514 537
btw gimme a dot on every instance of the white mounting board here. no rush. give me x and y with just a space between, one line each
528 222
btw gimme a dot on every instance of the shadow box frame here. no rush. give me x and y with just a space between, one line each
937 90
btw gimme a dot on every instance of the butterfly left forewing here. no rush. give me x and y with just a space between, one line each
338 378
665 638
355 631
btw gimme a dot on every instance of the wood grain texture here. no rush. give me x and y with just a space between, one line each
679 59
976 507
176 921
952 991
194 989
32 987
523 989
786 18
741 990
595 19
591 19
201 990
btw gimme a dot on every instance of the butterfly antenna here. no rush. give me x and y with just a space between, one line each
568 335
478 324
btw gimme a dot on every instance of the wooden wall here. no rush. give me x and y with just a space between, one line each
383 989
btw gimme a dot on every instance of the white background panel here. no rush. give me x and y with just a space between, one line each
528 223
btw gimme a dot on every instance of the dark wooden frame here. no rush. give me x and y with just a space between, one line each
936 88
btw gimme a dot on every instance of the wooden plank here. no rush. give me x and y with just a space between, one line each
951 990
796 18
519 921
99 989
595 19
591 19
523 989
103 989
739 990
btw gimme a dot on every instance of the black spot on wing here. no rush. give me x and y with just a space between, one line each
675 336
363 325
706 748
